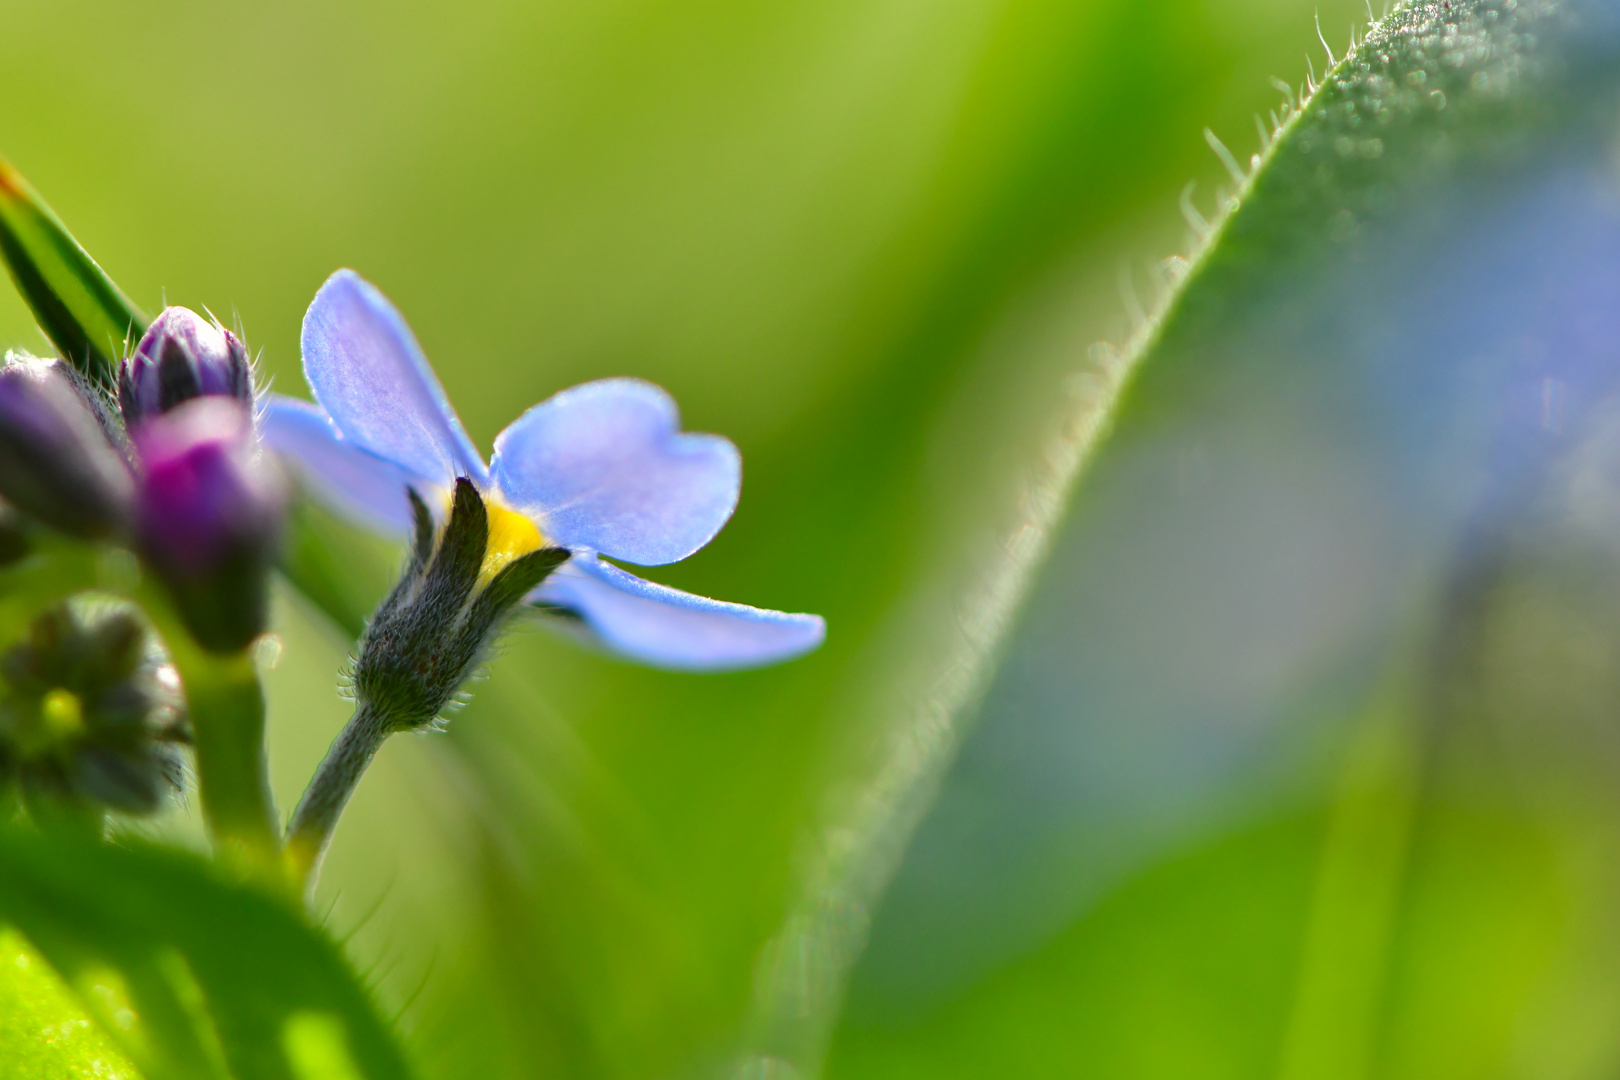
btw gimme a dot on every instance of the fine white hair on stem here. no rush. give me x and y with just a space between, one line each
1195 221
1133 303
1232 167
410 999
1175 268
1325 46
1107 359
1162 285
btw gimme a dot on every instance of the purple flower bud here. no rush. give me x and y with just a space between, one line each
208 517
180 357
57 462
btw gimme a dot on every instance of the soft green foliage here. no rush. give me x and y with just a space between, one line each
863 240
191 976
44 1032
1293 760
339 569
1300 758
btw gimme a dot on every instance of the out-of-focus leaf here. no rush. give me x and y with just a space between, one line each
88 318
341 570
1349 548
1166 942
44 1032
191 976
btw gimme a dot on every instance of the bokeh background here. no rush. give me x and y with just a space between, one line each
866 239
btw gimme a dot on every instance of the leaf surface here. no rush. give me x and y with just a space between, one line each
191 976
1348 550
44 1032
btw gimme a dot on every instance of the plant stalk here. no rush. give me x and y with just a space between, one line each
334 781
226 705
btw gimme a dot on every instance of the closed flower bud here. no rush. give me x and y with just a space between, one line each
57 462
180 357
89 715
208 517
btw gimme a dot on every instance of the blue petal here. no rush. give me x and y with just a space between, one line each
358 485
604 466
370 376
667 628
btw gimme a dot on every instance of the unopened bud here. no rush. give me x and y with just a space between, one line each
57 463
208 517
182 356
89 714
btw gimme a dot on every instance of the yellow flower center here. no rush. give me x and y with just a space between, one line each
511 536
63 713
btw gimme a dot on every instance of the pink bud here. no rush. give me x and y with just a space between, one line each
208 517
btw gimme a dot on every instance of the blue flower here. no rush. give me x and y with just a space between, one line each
601 469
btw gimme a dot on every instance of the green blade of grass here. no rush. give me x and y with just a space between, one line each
87 317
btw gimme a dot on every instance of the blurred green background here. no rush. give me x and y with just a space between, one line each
867 240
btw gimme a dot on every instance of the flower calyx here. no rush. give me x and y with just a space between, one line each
434 628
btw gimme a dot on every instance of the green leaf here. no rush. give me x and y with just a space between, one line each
88 318
193 977
44 1032
1347 546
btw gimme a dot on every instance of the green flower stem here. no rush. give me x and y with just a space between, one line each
226 706
329 790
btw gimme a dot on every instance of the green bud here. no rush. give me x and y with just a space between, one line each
89 712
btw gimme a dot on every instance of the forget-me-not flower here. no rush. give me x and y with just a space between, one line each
601 469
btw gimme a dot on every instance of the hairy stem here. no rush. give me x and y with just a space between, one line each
329 790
